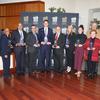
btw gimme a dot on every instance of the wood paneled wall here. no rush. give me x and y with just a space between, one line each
10 12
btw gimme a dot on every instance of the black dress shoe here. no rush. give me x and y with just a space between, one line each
90 76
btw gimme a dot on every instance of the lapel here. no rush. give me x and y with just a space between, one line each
18 35
59 37
33 37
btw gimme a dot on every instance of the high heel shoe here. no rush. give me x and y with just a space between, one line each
78 74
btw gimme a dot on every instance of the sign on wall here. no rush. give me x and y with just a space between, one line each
61 19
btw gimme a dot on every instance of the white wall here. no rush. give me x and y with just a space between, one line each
96 15
83 7
69 5
79 6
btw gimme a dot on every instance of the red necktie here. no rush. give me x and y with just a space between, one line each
56 37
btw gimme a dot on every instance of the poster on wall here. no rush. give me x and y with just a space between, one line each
26 19
61 19
45 18
64 20
35 19
54 20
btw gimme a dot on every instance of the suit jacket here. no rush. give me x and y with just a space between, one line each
30 41
16 37
42 35
72 39
95 53
61 40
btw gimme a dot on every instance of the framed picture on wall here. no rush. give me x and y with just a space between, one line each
54 20
64 20
26 19
61 19
35 19
45 18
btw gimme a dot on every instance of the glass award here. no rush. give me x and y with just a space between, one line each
26 29
77 42
55 43
9 44
45 39
91 45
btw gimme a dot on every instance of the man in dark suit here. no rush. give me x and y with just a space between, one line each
33 46
45 40
58 50
5 52
18 40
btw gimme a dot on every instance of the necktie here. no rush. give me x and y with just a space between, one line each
21 37
56 36
46 31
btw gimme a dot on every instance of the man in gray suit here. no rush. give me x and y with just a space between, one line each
32 44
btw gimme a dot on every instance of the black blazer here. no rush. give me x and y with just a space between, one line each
5 47
30 41
61 40
16 37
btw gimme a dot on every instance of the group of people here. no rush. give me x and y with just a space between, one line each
34 51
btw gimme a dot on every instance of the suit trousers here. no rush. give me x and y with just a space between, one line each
6 66
58 59
32 58
45 57
20 59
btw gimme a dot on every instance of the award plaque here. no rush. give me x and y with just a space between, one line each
77 42
55 43
45 39
91 45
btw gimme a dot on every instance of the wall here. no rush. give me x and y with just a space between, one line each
10 12
80 6
83 7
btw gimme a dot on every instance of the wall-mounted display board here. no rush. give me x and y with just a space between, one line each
61 19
